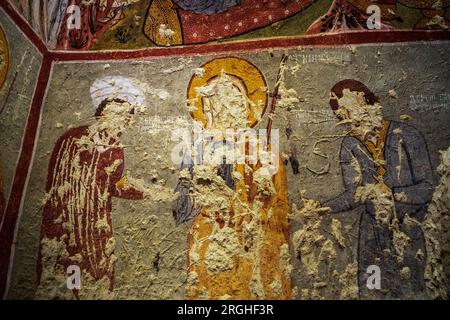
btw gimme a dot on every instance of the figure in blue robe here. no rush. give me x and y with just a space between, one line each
209 7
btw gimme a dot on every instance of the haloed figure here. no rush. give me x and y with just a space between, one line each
85 172
238 241
2 197
385 167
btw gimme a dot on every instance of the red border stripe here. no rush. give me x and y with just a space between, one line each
21 174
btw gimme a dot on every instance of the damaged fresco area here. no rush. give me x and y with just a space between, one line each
360 179
133 24
19 67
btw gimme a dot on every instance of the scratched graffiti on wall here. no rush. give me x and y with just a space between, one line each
126 24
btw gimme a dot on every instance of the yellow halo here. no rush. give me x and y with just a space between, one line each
251 77
4 52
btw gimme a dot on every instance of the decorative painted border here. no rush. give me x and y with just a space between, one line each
16 196
29 142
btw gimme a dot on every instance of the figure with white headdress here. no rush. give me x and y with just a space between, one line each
85 172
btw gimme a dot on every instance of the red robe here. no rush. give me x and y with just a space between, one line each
196 28
80 185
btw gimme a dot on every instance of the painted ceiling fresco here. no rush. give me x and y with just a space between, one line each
133 24
224 149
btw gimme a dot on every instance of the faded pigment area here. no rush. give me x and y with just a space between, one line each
19 67
105 194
